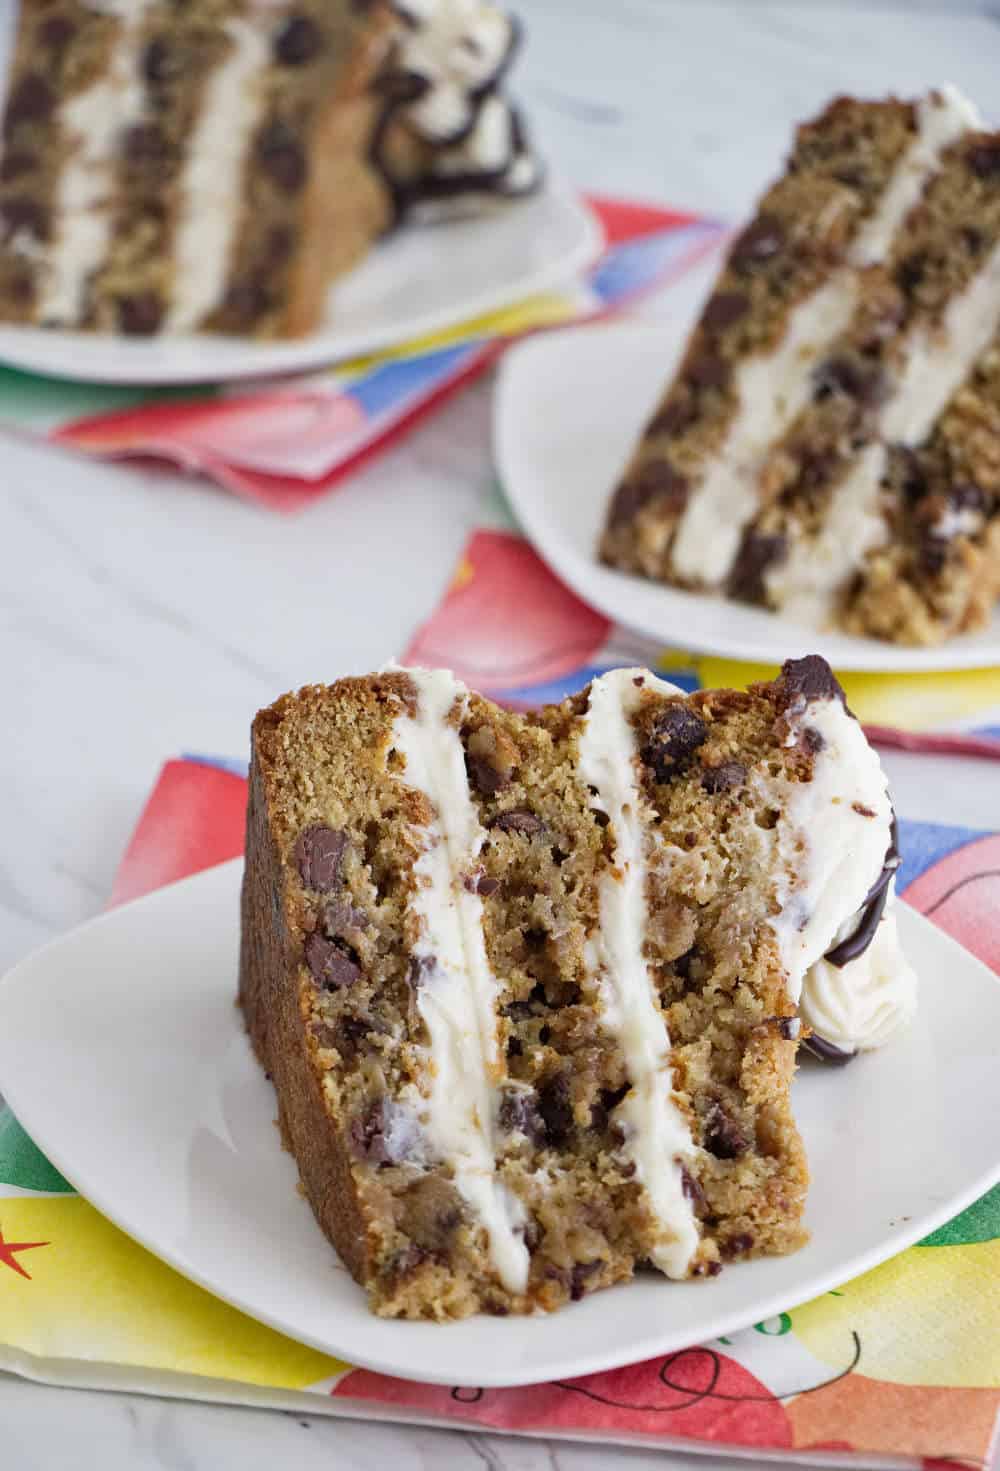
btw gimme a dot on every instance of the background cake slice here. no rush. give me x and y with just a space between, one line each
851 318
204 165
528 986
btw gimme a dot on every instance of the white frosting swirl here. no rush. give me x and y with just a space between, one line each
861 1005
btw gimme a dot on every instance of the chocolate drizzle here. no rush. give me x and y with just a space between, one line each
826 1052
857 942
872 910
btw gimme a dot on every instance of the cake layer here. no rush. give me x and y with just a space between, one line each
528 986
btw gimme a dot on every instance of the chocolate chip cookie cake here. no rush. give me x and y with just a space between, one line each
830 444
529 986
170 165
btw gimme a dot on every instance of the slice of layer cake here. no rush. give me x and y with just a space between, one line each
528 985
169 166
217 164
801 458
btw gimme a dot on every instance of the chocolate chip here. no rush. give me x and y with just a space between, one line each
911 271
420 970
659 479
280 156
484 776
57 32
140 314
932 554
812 740
329 963
759 242
298 41
518 1114
827 1052
862 381
14 165
382 1134
709 370
340 915
518 821
682 965
26 215
968 497
161 61
736 1245
973 238
673 417
31 101
673 739
319 853
723 778
690 1188
862 810
723 1136
758 551
555 1109
810 678
146 144
579 1276
246 301
480 883
984 160
656 479
723 309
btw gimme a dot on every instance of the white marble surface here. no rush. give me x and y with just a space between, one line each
142 613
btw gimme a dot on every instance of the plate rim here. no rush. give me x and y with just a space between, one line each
598 586
594 1361
315 351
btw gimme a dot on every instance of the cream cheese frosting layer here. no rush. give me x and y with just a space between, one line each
832 838
92 122
772 389
210 191
657 1135
457 998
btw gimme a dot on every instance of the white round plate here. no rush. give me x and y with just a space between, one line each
569 407
123 1056
420 280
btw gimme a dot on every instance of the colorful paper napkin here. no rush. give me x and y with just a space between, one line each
282 443
899 1367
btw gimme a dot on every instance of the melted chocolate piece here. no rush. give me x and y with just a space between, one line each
827 1052
874 906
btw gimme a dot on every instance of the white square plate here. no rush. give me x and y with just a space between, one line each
569 408
419 280
123 1055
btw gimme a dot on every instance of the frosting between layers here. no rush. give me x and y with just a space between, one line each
93 120
862 1004
209 187
832 848
937 363
772 389
457 997
657 1132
